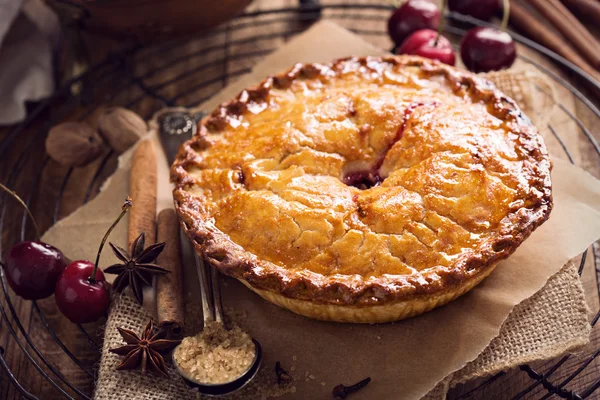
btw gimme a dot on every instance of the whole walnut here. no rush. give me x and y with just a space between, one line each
121 128
73 144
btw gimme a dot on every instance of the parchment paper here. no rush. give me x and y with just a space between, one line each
405 359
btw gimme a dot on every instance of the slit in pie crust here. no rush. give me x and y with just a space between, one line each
363 190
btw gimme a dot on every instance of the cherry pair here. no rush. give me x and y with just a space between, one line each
34 270
412 27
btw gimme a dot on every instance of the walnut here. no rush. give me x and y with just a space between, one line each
73 144
121 128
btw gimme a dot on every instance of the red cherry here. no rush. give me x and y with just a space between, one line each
487 49
32 269
82 293
412 16
79 299
423 43
480 9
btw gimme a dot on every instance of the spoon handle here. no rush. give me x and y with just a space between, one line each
207 309
216 291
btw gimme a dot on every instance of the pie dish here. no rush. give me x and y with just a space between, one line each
363 190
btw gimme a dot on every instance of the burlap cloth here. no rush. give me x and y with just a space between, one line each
546 325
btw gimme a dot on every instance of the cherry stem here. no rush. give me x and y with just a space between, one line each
441 24
20 200
126 206
505 14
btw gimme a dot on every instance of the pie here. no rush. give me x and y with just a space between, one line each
363 190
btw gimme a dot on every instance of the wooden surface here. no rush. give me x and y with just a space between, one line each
175 69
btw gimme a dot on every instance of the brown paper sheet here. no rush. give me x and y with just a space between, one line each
405 359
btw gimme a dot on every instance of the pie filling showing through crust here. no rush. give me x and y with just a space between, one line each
363 190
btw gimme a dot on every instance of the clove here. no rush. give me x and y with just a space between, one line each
341 391
283 377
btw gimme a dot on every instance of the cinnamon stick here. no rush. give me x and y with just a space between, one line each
142 189
169 287
567 24
588 9
537 31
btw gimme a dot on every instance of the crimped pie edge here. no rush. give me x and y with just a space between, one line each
231 259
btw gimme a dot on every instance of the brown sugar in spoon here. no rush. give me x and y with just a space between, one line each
212 311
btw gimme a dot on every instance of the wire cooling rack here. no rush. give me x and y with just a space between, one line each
147 78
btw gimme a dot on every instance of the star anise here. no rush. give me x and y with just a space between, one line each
145 351
137 269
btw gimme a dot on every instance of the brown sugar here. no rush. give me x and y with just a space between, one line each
216 355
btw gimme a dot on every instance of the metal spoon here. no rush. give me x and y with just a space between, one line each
212 310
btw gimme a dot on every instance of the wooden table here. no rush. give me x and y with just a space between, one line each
24 168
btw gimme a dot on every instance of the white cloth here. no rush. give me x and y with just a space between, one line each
29 32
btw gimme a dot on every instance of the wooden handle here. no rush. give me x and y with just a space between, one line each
587 9
537 31
142 189
571 28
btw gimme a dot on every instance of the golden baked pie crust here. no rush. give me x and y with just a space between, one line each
340 296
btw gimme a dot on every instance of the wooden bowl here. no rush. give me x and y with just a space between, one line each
148 20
